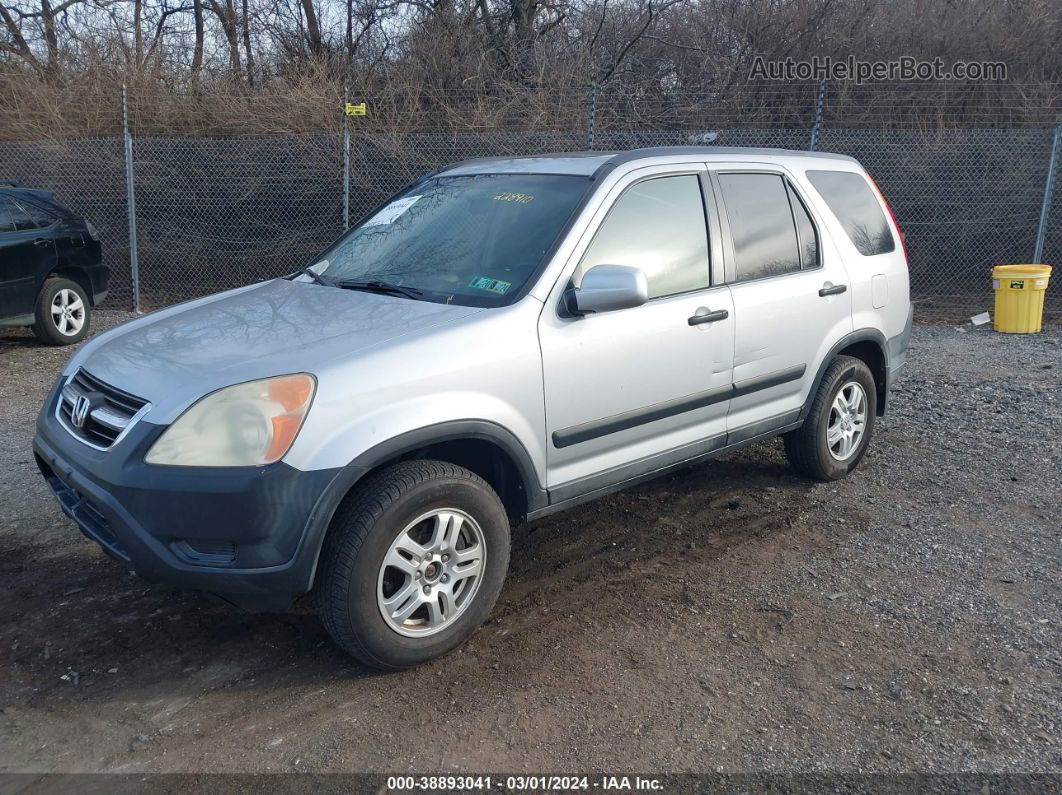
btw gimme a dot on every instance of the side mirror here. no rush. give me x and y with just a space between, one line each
608 287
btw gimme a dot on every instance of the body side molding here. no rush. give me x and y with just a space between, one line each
750 385
669 408
631 419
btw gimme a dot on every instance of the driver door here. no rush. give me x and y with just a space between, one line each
632 390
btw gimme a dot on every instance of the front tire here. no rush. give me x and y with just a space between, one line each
62 313
835 436
413 563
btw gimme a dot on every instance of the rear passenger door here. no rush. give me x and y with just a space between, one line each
790 293
26 256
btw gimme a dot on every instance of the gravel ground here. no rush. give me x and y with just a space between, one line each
730 616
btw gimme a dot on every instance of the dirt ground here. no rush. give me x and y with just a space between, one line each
729 617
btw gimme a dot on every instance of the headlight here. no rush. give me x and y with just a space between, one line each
244 425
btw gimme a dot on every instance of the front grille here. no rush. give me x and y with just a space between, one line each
111 411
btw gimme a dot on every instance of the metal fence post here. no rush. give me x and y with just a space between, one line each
130 197
1049 189
346 162
818 116
593 118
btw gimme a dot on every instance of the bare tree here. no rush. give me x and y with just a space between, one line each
477 63
313 28
45 15
225 11
197 47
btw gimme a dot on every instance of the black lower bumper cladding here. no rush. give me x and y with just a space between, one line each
253 531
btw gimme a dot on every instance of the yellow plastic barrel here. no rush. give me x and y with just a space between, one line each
1019 297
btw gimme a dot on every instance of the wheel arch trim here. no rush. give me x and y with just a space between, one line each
349 476
861 335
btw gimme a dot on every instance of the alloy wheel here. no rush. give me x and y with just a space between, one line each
431 572
848 421
68 312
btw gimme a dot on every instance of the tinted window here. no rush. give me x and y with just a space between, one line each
761 224
36 216
807 236
657 225
16 217
7 211
856 207
472 240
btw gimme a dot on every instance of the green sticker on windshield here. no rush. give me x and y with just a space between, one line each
490 285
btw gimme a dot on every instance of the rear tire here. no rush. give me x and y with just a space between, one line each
62 313
835 436
406 538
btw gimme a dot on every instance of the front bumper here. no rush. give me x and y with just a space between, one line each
249 534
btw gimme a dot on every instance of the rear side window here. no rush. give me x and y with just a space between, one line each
15 216
856 207
761 225
7 215
37 216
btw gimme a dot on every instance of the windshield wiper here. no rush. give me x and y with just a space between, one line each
317 277
378 286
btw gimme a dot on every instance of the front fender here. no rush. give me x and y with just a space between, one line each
335 438
349 476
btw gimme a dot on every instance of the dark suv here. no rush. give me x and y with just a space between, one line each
50 266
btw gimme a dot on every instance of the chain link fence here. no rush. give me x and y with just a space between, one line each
217 213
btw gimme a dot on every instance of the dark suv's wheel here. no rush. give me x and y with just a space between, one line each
837 431
62 312
413 563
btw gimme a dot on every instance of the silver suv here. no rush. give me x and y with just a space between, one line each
504 339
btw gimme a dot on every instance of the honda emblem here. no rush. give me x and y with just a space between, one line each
79 413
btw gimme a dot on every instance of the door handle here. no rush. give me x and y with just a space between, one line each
832 289
709 317
42 241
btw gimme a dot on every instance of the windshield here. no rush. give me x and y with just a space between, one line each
472 240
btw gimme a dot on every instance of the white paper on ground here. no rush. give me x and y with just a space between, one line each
392 211
981 319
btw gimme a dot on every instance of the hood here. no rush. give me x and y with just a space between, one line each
178 355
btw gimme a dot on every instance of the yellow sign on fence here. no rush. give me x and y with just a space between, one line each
355 110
